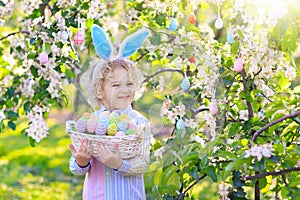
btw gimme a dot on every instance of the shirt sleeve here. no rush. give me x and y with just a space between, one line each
140 163
75 169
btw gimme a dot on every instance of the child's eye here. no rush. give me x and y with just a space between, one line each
115 85
130 83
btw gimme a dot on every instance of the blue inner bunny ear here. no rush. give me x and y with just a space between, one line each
133 42
101 43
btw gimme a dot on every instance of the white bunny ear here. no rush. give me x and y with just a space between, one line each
102 44
133 42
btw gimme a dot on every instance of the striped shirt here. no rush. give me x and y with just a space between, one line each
104 183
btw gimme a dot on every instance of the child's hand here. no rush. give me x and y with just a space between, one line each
83 155
109 158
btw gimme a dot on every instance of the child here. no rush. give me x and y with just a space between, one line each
113 88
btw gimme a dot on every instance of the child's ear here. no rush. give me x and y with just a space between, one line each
133 42
102 44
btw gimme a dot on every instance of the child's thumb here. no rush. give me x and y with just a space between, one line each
117 149
72 148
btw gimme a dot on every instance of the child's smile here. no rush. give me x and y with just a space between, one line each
118 89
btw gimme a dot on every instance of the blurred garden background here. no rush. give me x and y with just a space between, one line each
221 90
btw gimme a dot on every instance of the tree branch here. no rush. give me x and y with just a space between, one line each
257 133
162 71
249 105
192 185
14 33
284 171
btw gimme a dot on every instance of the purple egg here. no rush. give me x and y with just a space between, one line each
100 129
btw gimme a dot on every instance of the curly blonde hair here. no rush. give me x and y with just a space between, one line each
101 69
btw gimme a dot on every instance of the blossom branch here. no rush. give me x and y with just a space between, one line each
257 133
14 33
274 173
249 105
162 71
182 194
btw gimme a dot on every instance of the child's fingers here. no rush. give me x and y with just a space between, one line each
72 149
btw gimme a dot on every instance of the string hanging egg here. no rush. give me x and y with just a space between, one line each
79 38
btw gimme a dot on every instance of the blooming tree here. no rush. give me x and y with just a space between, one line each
232 99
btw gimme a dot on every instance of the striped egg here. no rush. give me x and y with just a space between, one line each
104 120
100 129
122 126
185 84
113 119
80 126
112 129
180 125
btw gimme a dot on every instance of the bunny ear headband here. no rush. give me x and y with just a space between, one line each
129 45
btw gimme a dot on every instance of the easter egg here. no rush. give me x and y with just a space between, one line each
238 65
120 134
91 124
192 19
173 24
104 120
219 23
112 129
123 117
105 114
43 58
230 37
100 129
113 119
130 131
192 59
180 124
122 126
185 84
213 108
132 126
79 38
80 126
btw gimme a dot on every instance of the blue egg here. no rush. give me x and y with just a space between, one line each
180 124
173 24
185 84
230 37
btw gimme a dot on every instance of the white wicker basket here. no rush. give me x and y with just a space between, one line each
129 146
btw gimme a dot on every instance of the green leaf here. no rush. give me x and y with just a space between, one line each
234 47
160 19
158 176
155 39
211 172
12 125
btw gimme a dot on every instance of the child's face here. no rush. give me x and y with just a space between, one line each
118 89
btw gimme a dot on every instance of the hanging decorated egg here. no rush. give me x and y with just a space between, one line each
213 108
180 124
192 19
192 59
173 24
238 65
219 23
79 38
230 37
43 58
185 84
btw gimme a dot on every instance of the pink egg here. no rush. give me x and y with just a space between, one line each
213 108
91 125
120 134
238 65
43 58
132 126
79 38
